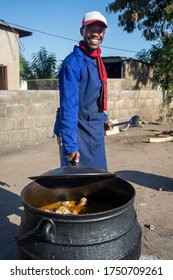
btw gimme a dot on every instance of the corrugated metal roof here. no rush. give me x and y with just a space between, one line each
112 59
21 32
116 57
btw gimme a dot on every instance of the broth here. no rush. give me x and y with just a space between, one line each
77 207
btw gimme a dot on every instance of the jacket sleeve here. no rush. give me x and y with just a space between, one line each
69 80
105 117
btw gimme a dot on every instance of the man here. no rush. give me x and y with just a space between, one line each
81 120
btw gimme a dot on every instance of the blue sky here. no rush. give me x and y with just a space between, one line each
63 18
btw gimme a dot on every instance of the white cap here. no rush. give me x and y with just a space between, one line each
93 17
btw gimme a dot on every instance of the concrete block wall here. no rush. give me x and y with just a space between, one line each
123 104
27 116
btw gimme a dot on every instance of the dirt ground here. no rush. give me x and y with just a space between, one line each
147 166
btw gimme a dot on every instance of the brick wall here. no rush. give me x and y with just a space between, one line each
123 104
27 116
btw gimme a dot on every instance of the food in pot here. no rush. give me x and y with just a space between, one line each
63 210
72 207
66 207
82 201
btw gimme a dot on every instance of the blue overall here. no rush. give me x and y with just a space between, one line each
79 124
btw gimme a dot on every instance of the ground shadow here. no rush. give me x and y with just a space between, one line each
148 180
10 204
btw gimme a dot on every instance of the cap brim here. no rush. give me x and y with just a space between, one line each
92 21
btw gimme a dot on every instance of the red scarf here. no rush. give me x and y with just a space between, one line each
102 73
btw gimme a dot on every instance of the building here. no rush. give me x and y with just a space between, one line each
129 73
9 55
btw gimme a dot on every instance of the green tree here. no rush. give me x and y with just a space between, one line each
153 17
25 71
161 56
43 65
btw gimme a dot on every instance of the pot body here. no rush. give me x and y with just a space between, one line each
109 235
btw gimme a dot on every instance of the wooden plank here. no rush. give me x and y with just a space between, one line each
160 139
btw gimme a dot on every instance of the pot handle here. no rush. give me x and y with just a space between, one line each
47 227
47 234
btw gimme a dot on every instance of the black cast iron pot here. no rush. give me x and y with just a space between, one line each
110 235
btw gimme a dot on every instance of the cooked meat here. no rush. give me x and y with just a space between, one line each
83 201
63 210
69 203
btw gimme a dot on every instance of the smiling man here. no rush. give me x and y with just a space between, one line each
81 120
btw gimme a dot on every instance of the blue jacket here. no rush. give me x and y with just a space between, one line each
79 121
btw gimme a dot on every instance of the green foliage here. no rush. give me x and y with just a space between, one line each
25 71
153 17
161 56
145 56
43 65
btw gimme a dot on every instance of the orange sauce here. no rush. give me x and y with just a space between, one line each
74 207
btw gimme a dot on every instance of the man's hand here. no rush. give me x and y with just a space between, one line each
108 125
74 158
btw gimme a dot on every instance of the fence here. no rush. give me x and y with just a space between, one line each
27 116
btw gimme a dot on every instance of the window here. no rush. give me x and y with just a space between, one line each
114 69
3 77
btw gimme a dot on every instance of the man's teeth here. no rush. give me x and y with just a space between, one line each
94 40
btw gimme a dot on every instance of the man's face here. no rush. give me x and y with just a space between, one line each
93 35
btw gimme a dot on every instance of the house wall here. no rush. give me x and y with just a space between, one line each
9 56
27 117
138 75
130 73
